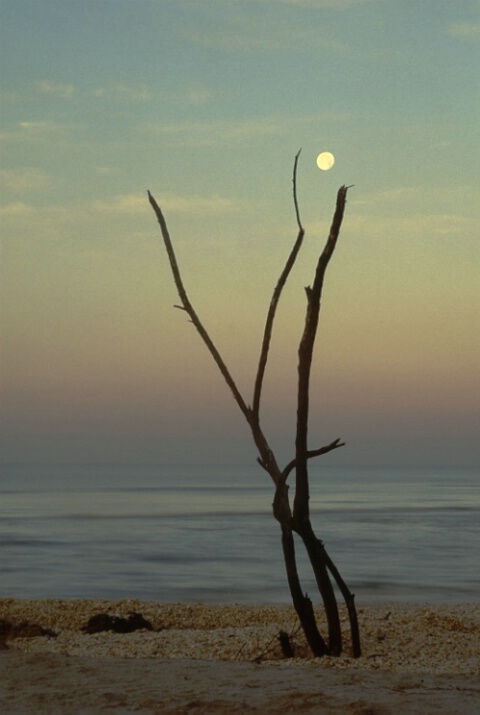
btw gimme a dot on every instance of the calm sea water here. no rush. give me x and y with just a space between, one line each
206 534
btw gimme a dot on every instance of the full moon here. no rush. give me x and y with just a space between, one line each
325 160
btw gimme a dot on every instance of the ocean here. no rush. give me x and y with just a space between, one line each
206 534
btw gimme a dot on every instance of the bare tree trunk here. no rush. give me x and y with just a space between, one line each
299 521
301 510
302 604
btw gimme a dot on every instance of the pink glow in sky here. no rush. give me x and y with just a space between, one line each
207 109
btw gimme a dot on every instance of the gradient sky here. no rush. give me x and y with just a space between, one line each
205 103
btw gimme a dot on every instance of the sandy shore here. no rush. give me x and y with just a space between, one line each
227 659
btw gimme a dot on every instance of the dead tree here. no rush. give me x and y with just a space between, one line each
296 520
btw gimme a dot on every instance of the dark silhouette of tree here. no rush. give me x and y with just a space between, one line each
296 520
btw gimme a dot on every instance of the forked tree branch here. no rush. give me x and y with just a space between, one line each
299 521
311 454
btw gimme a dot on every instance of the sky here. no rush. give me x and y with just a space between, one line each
205 103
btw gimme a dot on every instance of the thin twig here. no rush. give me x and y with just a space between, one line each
313 453
267 335
188 307
295 200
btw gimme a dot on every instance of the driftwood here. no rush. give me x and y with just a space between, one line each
24 629
285 645
101 622
296 521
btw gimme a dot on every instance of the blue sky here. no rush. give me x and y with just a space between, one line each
206 103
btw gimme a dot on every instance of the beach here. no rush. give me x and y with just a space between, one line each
222 659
